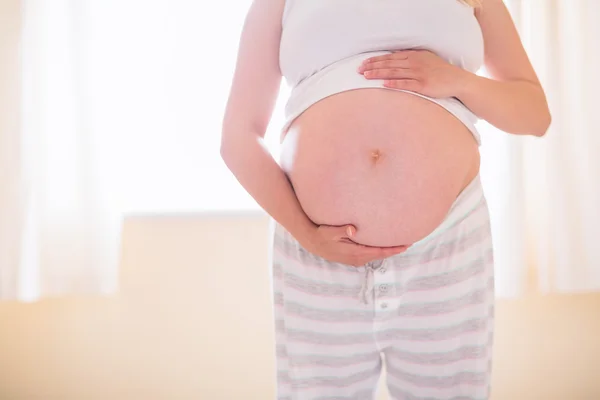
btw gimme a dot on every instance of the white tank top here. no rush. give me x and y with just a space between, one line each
324 41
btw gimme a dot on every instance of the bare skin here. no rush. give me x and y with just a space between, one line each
500 99
389 162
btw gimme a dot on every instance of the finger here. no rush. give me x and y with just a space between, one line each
350 230
348 241
356 248
390 251
403 84
360 245
381 252
392 73
341 232
396 55
386 64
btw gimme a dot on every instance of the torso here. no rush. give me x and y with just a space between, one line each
389 162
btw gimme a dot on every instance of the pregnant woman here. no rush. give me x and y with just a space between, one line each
382 251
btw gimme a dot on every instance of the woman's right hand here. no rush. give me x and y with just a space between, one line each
334 243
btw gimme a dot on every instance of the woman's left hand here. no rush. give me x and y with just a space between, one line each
419 71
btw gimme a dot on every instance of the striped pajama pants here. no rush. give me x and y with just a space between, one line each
427 314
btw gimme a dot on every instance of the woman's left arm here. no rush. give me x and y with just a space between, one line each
512 99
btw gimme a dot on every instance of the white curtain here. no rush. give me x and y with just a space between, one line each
120 109
59 229
121 106
545 193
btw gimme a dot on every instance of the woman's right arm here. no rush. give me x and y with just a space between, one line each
251 102
252 98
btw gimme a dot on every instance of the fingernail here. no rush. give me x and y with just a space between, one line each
349 231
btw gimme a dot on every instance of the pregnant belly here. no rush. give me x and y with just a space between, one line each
389 162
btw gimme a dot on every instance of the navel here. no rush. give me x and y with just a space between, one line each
376 156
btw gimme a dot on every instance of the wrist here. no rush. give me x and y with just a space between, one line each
303 231
465 81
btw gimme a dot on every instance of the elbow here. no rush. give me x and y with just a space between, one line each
543 118
227 149
542 124
234 148
229 156
224 150
537 114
